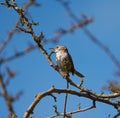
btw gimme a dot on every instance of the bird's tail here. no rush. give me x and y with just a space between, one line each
78 73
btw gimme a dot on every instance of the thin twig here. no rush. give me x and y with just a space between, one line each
65 102
61 32
117 115
18 54
103 47
9 37
14 30
6 96
73 112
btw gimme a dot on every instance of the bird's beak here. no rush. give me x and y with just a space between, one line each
52 49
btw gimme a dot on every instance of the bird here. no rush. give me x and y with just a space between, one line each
64 61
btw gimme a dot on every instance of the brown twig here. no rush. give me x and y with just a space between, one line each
61 32
6 96
9 37
103 47
14 30
65 102
18 54
69 114
117 115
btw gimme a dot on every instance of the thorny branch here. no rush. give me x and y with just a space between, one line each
27 27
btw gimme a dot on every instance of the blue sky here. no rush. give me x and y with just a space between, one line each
34 73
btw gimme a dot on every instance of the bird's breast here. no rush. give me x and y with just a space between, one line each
61 56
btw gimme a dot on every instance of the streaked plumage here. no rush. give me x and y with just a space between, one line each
64 61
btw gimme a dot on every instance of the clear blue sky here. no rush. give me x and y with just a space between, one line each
34 73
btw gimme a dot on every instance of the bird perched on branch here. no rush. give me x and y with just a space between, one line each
64 61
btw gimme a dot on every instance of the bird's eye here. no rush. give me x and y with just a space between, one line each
56 46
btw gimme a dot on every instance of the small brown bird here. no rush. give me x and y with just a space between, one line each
64 61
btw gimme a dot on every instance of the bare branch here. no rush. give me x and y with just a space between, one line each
69 114
10 35
117 115
6 96
103 47
11 74
65 102
61 32
18 54
14 30
52 90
